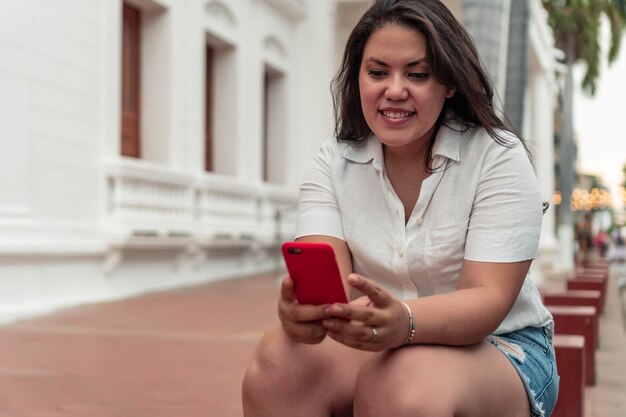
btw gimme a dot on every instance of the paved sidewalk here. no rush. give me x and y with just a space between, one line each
182 353
179 353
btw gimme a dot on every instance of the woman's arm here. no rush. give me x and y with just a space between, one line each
485 295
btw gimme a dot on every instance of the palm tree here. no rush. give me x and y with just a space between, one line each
576 25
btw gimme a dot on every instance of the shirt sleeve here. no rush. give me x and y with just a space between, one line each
505 224
318 210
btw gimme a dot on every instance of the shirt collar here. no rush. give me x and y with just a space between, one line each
363 153
447 144
448 141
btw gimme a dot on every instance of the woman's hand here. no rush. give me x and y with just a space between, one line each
301 322
378 321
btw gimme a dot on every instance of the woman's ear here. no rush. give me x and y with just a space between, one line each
450 92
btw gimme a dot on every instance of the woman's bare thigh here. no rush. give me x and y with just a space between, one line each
469 381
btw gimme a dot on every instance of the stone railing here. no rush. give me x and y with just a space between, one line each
146 200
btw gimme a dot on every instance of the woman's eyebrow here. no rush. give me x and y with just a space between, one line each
377 61
417 62
384 64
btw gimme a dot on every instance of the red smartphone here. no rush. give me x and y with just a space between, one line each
315 273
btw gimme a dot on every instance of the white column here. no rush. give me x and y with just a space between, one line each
543 135
14 115
14 153
544 155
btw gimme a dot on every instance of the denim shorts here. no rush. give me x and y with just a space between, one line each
531 352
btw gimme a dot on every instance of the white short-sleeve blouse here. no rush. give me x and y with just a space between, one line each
482 203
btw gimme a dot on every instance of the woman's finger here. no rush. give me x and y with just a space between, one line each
287 291
362 337
367 314
301 322
289 307
305 332
379 296
372 327
306 312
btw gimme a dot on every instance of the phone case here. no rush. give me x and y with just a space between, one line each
314 271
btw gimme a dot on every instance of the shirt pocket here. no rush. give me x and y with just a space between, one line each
443 255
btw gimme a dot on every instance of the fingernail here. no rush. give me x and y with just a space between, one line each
353 279
335 309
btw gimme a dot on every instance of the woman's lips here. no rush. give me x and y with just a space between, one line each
396 116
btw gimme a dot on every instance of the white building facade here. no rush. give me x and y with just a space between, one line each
230 99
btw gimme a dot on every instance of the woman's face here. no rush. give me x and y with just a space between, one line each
400 98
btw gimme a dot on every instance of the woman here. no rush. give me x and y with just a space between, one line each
433 211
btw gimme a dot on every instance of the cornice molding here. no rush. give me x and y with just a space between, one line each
295 10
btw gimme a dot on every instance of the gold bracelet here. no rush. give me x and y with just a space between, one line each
411 334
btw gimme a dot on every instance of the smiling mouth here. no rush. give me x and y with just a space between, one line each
396 114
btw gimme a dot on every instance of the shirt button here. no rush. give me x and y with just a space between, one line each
419 221
400 253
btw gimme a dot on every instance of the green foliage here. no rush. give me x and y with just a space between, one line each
576 25
596 182
617 20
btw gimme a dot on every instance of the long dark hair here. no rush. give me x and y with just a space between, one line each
451 54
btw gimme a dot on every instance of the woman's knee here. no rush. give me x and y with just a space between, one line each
279 366
269 363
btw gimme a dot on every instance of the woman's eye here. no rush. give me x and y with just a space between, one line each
376 73
418 75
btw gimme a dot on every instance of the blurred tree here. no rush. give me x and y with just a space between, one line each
576 25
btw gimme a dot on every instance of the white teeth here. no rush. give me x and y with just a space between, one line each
396 115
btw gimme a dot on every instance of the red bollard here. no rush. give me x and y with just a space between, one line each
581 321
570 362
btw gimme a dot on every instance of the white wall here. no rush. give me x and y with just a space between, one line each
80 223
49 104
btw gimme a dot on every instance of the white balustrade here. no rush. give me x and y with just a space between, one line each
226 207
277 213
148 200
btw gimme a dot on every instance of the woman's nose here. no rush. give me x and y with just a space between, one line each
396 89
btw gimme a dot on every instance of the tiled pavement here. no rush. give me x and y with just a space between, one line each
183 353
